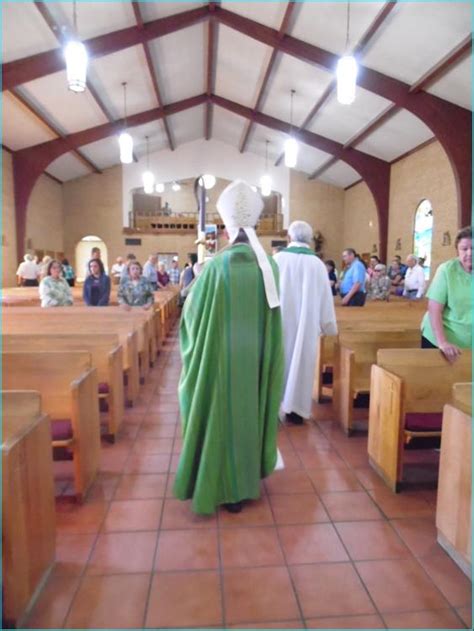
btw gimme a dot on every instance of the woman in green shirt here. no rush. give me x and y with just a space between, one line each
448 323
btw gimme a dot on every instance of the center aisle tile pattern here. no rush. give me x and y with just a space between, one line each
326 546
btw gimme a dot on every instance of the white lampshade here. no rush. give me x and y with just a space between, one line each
265 185
209 181
346 74
291 152
148 180
126 148
176 187
160 187
76 65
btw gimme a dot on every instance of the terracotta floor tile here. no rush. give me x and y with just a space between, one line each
288 624
315 543
367 540
79 519
291 460
254 513
103 487
178 514
330 480
298 509
330 589
368 478
187 550
161 418
147 486
185 599
400 585
153 446
154 430
174 463
259 594
313 459
112 462
465 613
419 534
148 463
449 579
350 506
128 515
346 622
435 619
53 603
250 547
72 552
399 505
122 553
289 482
110 602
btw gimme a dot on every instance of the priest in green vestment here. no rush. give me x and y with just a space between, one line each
233 366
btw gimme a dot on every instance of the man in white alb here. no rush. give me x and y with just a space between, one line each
307 308
414 285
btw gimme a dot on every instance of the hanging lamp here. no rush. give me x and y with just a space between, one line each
125 140
160 187
266 180
176 187
346 71
148 178
76 57
291 146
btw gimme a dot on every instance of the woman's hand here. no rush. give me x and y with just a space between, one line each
125 307
450 351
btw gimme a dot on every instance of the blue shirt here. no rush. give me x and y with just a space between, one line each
352 275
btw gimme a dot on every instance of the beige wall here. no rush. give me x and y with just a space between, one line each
322 206
361 227
9 258
424 174
44 217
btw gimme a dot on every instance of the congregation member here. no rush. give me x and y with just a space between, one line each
332 276
117 269
352 285
232 375
448 323
129 259
96 290
54 290
414 282
68 273
374 260
379 285
396 278
307 309
27 272
43 266
162 276
150 272
174 273
135 290
95 254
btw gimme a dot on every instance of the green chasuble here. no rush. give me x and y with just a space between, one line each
231 383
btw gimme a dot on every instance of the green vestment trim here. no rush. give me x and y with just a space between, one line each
295 249
231 383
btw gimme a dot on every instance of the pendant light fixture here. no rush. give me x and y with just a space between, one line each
209 181
266 180
176 187
291 146
75 54
160 187
346 71
148 178
125 140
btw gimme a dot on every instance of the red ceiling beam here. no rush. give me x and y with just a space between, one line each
29 68
283 28
210 75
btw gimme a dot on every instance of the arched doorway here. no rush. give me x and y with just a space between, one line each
83 254
423 234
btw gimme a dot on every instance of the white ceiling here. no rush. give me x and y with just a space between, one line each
412 40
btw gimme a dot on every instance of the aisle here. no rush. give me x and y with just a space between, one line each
327 546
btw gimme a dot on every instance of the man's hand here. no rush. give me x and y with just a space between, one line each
450 351
345 301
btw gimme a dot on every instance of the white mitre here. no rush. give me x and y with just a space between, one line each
240 207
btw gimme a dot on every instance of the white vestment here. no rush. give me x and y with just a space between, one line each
307 308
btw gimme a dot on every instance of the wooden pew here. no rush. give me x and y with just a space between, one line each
28 512
68 387
453 507
408 389
354 353
106 354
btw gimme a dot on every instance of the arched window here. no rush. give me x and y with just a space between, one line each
423 234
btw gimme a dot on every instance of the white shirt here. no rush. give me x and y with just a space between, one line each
27 270
414 280
117 269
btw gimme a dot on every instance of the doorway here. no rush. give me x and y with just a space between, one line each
83 254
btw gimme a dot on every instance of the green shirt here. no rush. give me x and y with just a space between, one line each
451 287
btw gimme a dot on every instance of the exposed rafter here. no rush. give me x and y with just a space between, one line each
283 28
324 167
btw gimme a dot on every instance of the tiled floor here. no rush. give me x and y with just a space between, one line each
327 545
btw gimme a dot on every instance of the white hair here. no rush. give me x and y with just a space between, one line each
300 231
412 257
28 257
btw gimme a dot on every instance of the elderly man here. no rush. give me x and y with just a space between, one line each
352 286
414 286
27 272
307 308
150 271
232 377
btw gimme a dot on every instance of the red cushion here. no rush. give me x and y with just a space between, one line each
61 429
424 421
104 388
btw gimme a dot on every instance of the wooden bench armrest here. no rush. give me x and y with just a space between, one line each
116 390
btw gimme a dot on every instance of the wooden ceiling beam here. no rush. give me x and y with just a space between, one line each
210 75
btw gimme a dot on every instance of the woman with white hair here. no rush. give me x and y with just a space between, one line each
27 272
307 309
